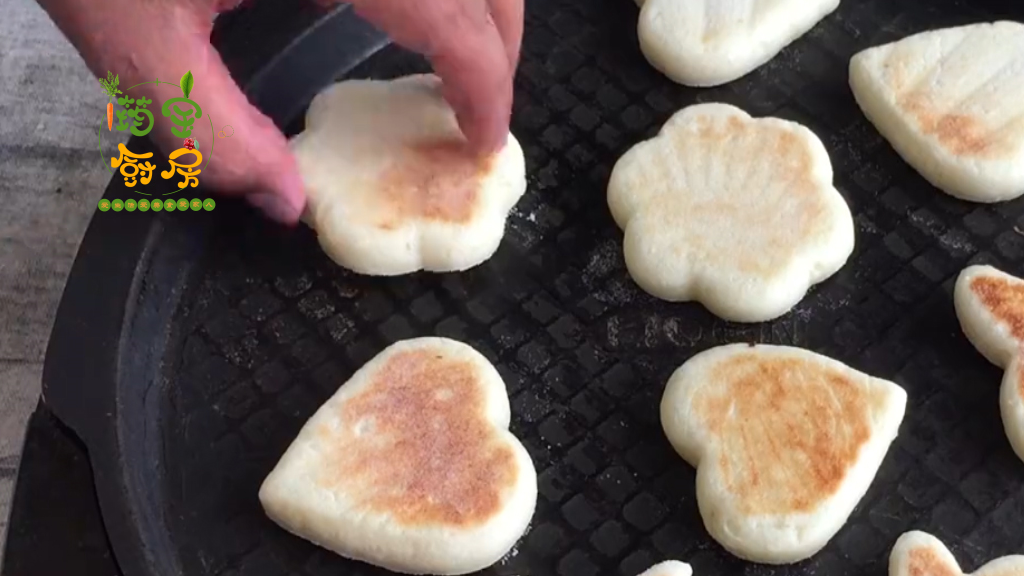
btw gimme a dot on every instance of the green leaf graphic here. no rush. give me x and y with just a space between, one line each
110 86
187 81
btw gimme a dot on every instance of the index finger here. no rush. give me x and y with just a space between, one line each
474 66
508 19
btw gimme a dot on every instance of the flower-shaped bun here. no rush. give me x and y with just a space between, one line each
734 212
393 187
990 306
668 568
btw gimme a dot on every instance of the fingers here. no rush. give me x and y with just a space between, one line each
508 18
477 77
255 161
467 49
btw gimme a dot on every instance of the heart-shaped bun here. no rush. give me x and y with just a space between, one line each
712 42
785 442
949 101
410 465
990 306
921 554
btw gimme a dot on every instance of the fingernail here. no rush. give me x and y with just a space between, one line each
275 207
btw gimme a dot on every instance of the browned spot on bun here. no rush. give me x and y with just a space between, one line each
415 445
435 180
960 134
897 74
714 129
1004 299
789 429
926 562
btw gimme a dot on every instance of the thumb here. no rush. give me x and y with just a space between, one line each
245 153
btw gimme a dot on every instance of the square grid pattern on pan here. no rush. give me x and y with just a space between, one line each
271 327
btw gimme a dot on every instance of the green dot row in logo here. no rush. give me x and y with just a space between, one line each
157 205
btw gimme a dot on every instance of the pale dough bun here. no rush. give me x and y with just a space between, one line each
921 554
711 42
410 465
950 103
990 306
668 568
785 441
392 187
737 213
1011 405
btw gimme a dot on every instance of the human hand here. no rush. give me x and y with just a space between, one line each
473 44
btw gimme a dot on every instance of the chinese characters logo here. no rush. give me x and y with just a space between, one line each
135 116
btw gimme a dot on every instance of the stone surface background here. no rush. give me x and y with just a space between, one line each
50 181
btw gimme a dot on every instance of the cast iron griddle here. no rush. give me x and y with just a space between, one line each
232 334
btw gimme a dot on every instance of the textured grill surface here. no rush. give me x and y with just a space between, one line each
270 328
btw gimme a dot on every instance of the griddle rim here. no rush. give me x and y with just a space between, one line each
89 350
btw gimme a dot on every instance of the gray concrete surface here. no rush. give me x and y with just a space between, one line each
50 181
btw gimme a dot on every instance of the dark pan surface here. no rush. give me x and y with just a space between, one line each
267 328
